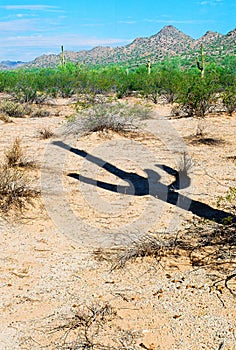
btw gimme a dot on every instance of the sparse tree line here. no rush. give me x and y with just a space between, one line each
168 81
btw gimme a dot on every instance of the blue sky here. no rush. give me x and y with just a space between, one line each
30 28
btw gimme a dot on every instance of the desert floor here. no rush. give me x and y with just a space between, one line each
56 261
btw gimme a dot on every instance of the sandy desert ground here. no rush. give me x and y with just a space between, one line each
49 273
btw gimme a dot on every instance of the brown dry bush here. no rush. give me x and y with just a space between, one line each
45 133
200 136
210 244
15 187
146 246
185 165
89 326
40 113
15 191
82 329
14 156
5 118
206 243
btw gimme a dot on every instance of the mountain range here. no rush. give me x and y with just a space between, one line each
168 42
11 64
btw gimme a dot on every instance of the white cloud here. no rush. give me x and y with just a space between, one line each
32 25
210 2
29 7
17 25
173 21
26 48
127 22
165 21
50 42
92 25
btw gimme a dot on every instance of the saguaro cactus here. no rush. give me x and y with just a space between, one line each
201 64
62 56
149 65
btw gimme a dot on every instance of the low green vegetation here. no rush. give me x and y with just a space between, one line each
174 80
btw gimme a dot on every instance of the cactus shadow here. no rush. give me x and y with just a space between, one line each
138 185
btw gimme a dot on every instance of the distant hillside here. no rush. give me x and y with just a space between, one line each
216 44
11 64
168 42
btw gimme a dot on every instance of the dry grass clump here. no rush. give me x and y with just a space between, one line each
143 247
118 117
82 329
40 113
14 156
185 165
146 246
15 191
204 244
200 136
5 118
213 244
210 244
89 327
45 133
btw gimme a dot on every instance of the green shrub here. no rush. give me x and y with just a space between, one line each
229 99
13 109
118 117
196 96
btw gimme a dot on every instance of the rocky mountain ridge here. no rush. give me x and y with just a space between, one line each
168 42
